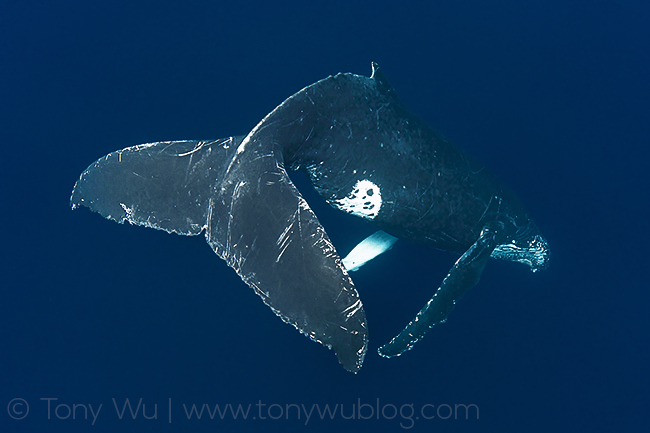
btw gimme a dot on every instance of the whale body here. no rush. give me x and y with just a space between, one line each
366 155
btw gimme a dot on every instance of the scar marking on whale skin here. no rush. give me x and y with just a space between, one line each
363 201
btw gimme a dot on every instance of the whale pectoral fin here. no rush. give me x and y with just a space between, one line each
465 273
369 248
239 195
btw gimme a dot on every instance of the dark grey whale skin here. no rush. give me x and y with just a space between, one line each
346 128
366 154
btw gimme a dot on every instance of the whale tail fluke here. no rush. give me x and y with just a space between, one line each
237 193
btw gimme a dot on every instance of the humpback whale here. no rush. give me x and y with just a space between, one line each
366 154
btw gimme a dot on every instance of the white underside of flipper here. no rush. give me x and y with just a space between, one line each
372 246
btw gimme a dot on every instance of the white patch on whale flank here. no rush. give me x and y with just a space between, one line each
364 200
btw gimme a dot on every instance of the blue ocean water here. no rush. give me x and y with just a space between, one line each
552 96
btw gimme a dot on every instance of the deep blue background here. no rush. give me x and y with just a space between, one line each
553 96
